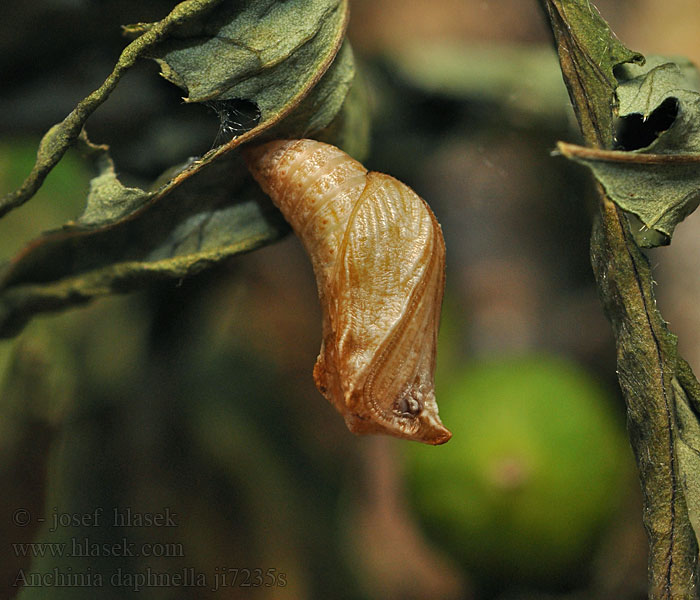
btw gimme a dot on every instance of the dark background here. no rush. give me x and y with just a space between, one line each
196 396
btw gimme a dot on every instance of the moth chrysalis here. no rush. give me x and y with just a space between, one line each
379 259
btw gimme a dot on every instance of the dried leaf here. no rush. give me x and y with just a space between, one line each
108 199
210 209
660 183
64 134
647 355
253 42
588 54
204 220
648 367
687 404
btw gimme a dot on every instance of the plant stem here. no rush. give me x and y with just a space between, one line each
647 359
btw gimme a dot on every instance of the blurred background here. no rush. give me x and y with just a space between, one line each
193 399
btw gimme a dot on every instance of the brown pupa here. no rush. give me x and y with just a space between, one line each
379 259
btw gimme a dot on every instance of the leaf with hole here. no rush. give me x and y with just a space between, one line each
268 53
257 57
589 54
659 183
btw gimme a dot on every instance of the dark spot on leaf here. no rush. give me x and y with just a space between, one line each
633 132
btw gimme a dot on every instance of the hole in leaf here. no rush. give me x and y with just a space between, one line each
633 132
236 116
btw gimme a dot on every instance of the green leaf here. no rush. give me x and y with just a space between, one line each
257 45
322 105
660 184
643 88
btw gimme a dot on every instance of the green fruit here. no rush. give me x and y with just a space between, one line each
537 464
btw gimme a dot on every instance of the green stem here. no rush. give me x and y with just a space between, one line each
647 361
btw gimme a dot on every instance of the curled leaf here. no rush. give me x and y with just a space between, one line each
209 210
350 128
108 199
659 183
589 53
204 221
64 134
266 52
